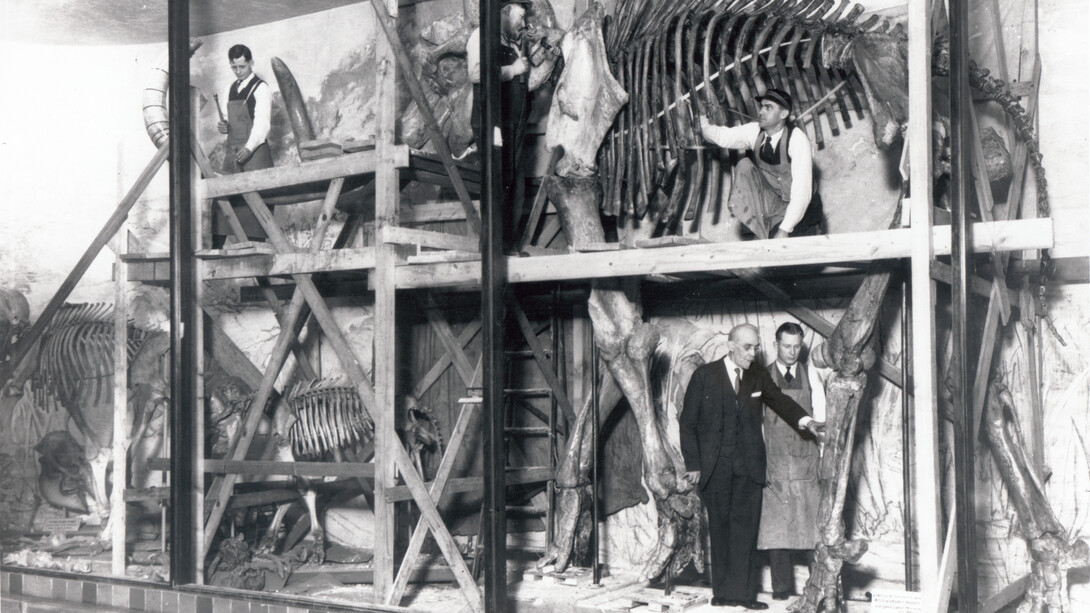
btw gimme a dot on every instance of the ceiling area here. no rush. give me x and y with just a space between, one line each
127 22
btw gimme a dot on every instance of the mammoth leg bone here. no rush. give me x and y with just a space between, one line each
626 343
1051 548
849 352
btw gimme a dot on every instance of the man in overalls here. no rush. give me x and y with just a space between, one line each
773 193
514 94
249 108
789 506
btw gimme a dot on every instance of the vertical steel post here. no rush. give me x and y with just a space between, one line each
493 286
596 409
184 409
961 171
906 430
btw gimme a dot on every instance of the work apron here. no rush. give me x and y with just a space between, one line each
240 120
789 505
762 191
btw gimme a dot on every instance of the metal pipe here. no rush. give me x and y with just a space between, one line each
964 443
185 526
596 408
493 285
906 432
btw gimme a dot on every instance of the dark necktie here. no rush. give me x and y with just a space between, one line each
787 376
767 154
737 380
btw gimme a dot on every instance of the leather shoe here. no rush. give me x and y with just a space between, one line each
780 595
753 605
719 601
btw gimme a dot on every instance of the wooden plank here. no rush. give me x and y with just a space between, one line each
1011 592
263 265
985 205
923 245
464 337
850 247
228 355
435 490
262 468
428 238
543 363
940 271
429 212
948 565
515 476
19 351
122 420
446 338
286 176
809 317
438 139
984 362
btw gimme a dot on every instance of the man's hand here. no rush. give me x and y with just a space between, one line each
705 124
693 476
521 66
222 126
781 234
243 155
817 428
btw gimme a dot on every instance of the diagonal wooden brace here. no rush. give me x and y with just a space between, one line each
436 491
444 361
543 362
222 487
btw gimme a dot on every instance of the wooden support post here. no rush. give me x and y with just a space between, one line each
122 425
928 503
385 354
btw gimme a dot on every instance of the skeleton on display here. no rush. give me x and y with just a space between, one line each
653 176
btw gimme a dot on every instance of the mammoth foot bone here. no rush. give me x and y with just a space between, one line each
1052 550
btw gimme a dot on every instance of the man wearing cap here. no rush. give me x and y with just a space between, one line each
773 190
514 77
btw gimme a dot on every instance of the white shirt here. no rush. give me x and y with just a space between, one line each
802 163
262 111
817 387
473 55
731 366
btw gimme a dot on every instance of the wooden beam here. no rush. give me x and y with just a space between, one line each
923 248
122 421
223 265
849 247
543 363
941 271
261 468
985 205
19 352
287 176
464 337
808 316
999 600
515 476
428 238
429 212
446 337
948 564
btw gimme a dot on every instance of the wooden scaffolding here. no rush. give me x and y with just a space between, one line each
473 262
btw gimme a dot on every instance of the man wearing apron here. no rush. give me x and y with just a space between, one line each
514 95
249 109
772 193
789 505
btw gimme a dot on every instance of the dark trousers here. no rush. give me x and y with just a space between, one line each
734 512
783 570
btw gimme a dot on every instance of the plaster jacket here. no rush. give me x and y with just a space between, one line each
789 506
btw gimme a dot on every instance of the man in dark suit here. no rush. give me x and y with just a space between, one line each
724 455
